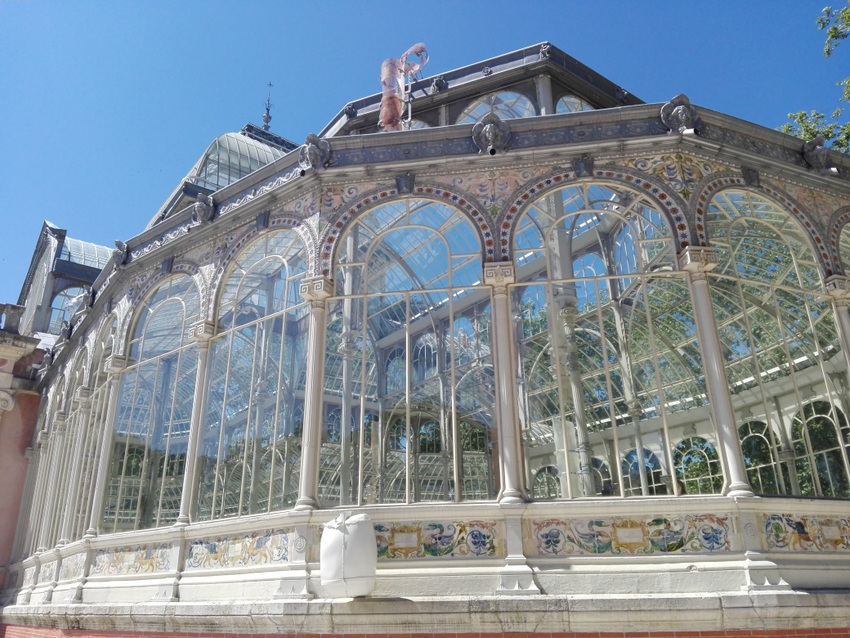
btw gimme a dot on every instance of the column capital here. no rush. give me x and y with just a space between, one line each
115 363
202 331
838 287
83 395
698 259
316 288
499 274
7 401
60 419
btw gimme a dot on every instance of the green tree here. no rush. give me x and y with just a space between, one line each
836 23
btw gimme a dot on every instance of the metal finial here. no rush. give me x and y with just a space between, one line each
267 116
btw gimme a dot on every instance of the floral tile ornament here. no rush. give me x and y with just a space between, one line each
468 539
685 534
796 533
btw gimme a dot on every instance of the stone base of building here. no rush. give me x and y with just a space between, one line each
774 614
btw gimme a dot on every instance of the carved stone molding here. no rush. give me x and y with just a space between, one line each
583 166
696 259
679 116
315 154
405 183
751 176
491 135
316 288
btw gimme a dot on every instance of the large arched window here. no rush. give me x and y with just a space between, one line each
820 435
151 431
778 336
508 105
608 347
409 302
250 453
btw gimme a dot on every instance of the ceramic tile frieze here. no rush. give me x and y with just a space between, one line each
610 535
255 548
493 188
682 172
438 539
72 566
140 559
796 533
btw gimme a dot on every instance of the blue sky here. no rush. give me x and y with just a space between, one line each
105 106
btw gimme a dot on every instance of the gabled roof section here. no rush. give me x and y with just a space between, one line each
228 159
512 71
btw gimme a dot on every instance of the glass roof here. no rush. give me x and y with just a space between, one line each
230 157
84 253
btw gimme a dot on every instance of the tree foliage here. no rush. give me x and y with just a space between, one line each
808 125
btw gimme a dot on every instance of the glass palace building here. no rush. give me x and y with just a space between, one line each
582 359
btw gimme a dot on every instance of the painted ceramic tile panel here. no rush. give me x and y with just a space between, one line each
795 533
466 539
141 559
256 548
72 566
701 533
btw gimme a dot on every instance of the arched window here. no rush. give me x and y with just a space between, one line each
607 337
642 477
151 430
251 450
546 484
757 445
409 296
820 436
571 104
697 466
602 478
508 105
63 306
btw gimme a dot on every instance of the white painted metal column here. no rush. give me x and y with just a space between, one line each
201 332
56 447
697 261
315 290
114 365
80 426
838 288
499 276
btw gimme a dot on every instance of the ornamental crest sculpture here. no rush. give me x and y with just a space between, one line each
204 209
315 154
680 116
817 156
491 135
